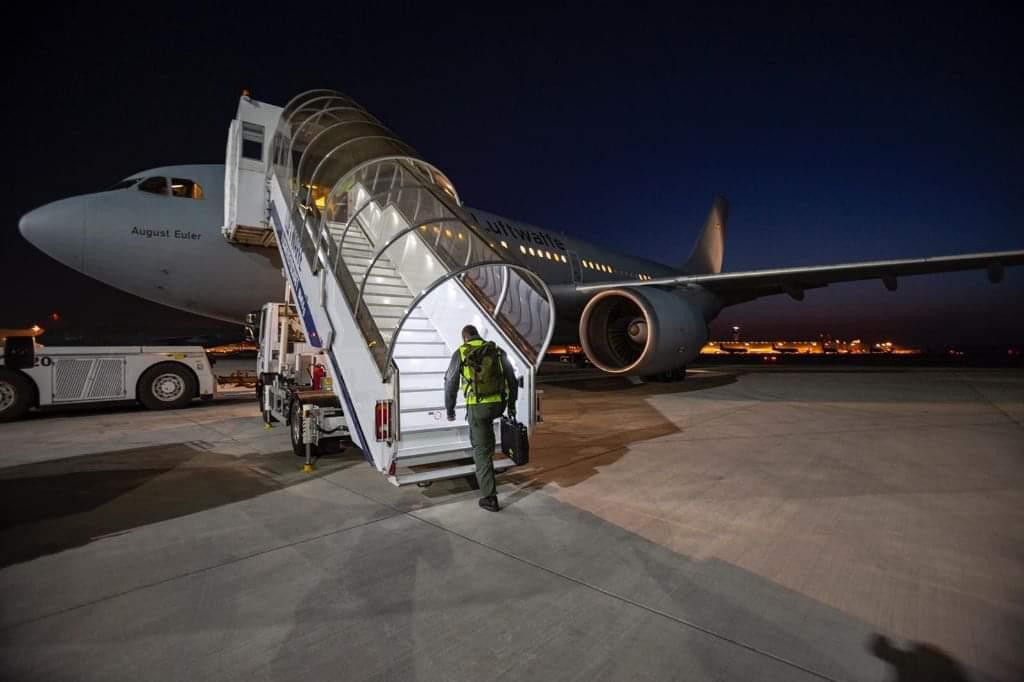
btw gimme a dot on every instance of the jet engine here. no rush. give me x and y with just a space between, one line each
641 330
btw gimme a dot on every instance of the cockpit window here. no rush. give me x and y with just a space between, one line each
124 184
154 186
189 189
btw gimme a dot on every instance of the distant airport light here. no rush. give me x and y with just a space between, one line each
503 244
522 248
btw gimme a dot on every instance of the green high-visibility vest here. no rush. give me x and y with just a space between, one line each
467 378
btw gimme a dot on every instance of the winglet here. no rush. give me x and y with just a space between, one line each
709 251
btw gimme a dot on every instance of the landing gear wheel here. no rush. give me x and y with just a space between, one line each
166 386
295 431
15 395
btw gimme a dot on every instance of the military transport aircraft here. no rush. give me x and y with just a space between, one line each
158 234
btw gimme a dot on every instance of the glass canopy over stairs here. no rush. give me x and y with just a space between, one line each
382 251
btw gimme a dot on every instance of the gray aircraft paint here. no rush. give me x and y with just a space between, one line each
170 250
165 249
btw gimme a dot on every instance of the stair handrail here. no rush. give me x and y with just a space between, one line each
390 242
455 275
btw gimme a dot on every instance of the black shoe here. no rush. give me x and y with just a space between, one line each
489 503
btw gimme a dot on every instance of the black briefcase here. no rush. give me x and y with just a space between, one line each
515 441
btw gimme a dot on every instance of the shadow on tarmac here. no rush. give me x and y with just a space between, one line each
122 407
433 594
596 420
919 662
47 507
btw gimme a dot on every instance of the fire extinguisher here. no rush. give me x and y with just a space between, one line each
318 372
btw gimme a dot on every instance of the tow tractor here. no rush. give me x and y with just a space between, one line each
159 377
294 386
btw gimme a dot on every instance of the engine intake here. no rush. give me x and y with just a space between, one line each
641 331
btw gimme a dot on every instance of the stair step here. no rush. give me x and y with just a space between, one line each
350 237
363 261
387 289
397 306
429 430
442 473
388 299
392 312
453 452
421 350
422 365
385 280
355 243
422 382
412 324
428 406
414 420
358 270
356 252
353 231
415 336
419 401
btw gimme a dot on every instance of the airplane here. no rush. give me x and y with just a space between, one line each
157 234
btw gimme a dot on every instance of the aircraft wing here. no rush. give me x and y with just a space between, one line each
737 287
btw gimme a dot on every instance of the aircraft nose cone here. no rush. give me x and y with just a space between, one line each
58 230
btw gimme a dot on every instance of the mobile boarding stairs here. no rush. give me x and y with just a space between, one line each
386 268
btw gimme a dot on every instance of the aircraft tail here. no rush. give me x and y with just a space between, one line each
709 251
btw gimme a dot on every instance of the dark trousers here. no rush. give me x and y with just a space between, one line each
481 435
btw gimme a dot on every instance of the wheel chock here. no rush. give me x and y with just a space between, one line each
308 468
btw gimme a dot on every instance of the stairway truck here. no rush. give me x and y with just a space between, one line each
160 377
294 386
383 267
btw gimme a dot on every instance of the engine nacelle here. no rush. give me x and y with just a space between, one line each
641 330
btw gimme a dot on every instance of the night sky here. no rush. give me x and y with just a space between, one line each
837 133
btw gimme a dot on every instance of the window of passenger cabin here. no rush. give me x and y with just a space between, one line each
154 186
189 189
252 141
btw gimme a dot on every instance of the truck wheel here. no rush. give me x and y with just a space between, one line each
295 431
166 386
15 395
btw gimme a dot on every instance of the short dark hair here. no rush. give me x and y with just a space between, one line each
469 332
